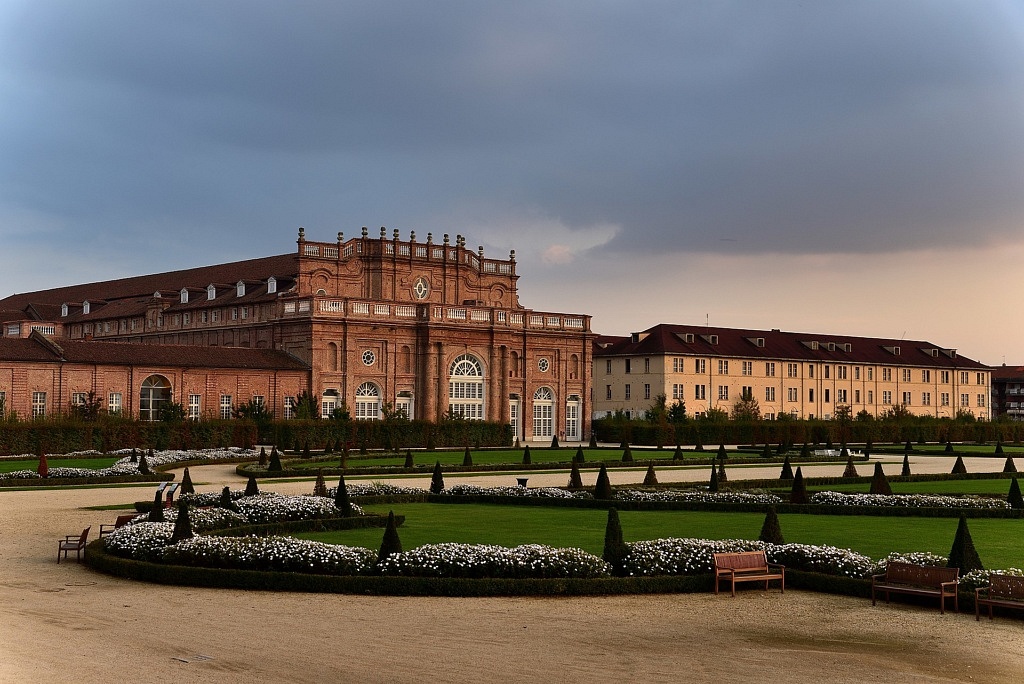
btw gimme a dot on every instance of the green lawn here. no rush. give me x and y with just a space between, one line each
1000 542
949 487
92 463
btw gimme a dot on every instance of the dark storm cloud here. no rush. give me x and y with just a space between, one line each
778 126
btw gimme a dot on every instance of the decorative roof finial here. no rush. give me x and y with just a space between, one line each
430 238
341 236
446 238
365 232
396 234
480 251
383 230
412 236
302 234
512 255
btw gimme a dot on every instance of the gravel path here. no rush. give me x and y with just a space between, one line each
67 623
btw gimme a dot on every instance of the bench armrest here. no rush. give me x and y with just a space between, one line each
954 583
879 577
777 565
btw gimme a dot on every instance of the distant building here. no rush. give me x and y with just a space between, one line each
805 375
1008 392
433 330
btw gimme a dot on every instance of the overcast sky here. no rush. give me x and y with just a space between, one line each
849 167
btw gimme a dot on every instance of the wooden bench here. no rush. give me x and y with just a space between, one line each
919 580
747 566
121 521
1005 591
73 542
171 489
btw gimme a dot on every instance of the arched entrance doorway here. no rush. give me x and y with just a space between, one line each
155 393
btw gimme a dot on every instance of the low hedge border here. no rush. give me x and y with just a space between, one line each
66 481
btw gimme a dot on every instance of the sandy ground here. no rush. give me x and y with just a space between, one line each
66 623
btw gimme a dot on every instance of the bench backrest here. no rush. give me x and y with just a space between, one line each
741 560
85 535
123 520
1006 586
925 575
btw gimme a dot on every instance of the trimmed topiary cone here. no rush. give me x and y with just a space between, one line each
798 495
828 442
603 488
390 544
908 446
999 446
575 481
263 457
134 457
44 468
713 484
437 479
226 501
341 501
408 459
722 455
1014 498
467 459
186 483
143 465
344 456
615 549
963 555
949 447
182 524
698 445
721 472
767 451
627 455
554 441
906 466
305 450
251 488
959 468
156 513
787 469
805 451
328 449
651 477
579 457
677 455
851 469
593 441
771 530
879 483
275 461
1009 466
320 488
527 458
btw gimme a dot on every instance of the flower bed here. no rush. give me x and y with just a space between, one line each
482 560
907 500
125 466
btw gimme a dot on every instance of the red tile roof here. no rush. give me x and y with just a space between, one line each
667 339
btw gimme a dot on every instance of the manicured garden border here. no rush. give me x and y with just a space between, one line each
66 481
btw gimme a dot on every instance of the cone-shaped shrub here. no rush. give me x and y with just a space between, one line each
767 451
575 481
677 455
851 469
651 478
44 468
999 446
408 459
798 495
251 488
186 483
437 479
554 441
805 451
527 458
143 465
781 449
305 450
1014 498
603 489
713 484
135 456
869 446
263 457
579 457
959 468
156 513
593 440
182 524
787 469
328 449
341 501
908 446
1009 466
467 459
963 555
362 445
627 455
344 456
949 447
771 530
698 445
226 501
906 465
722 455
275 462
615 549
721 472
879 483
320 488
391 544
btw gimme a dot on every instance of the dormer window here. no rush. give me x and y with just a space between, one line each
85 307
271 285
184 295
211 292
63 310
240 289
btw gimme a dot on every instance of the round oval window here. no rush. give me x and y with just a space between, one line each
369 358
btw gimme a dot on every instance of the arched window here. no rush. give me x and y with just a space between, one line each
543 413
156 391
367 402
466 388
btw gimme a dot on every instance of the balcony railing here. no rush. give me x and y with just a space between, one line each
408 250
